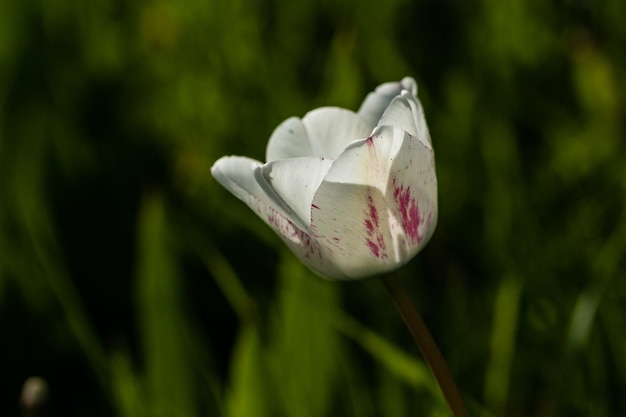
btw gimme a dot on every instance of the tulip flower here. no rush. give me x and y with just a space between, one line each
352 194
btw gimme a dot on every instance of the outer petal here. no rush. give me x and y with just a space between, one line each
405 112
239 175
289 140
377 206
244 178
331 129
296 181
377 101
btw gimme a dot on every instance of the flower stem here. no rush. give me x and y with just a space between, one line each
426 344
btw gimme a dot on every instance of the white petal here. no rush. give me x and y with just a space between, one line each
289 140
331 129
296 181
236 174
377 101
240 176
405 112
377 206
243 177
409 84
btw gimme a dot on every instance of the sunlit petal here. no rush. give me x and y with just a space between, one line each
405 112
296 181
289 140
242 177
377 206
377 101
331 129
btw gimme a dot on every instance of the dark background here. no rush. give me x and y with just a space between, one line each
136 286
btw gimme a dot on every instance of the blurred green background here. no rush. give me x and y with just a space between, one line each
136 286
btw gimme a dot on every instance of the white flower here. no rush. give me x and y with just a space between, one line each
352 194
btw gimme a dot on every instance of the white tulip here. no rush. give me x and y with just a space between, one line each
352 194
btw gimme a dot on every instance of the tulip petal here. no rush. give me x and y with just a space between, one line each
378 100
371 213
296 181
238 175
405 112
289 140
331 129
244 178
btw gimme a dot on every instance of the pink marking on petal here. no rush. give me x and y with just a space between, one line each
375 240
409 211
373 247
294 235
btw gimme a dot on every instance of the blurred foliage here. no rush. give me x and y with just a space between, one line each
136 286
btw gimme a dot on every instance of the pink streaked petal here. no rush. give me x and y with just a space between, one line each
380 198
296 180
241 175
306 248
412 194
351 223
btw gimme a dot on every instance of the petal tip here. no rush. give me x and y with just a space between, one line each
409 84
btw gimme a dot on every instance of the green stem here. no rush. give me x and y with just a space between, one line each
426 344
